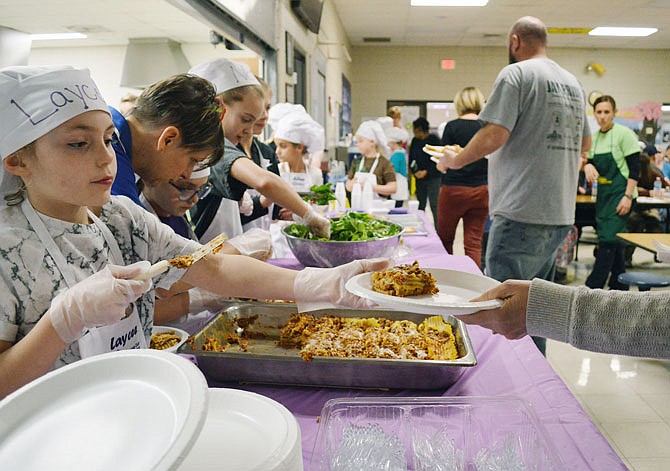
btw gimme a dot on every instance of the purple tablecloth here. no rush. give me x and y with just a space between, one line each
505 368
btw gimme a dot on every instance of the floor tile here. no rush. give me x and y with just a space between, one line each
660 403
618 408
639 440
649 464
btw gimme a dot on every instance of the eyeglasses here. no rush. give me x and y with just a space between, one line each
187 194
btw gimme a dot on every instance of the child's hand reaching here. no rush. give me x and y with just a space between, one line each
100 299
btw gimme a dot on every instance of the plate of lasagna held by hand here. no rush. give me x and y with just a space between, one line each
425 290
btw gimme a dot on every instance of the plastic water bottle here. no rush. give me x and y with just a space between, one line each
657 188
356 197
594 190
341 196
366 199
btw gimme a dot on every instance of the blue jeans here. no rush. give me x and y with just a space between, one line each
520 251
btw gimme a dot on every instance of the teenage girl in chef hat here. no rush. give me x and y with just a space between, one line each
374 165
243 104
297 136
65 273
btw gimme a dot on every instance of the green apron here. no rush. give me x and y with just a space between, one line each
611 188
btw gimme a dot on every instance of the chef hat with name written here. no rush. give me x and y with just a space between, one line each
300 128
279 110
373 130
225 74
36 100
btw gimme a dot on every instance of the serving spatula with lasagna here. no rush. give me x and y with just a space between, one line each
184 261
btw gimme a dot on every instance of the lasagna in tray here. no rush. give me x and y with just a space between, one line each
404 280
372 337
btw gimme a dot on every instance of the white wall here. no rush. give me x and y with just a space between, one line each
413 73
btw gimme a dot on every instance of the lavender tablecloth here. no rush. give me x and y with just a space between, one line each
505 368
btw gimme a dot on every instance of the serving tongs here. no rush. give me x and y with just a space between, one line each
183 261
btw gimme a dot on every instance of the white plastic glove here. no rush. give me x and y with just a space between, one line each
200 300
318 224
255 243
323 288
246 204
100 299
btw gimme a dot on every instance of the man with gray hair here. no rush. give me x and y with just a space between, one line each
534 130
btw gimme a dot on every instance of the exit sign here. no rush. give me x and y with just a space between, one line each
447 64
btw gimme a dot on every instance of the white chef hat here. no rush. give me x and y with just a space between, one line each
395 134
299 128
386 122
225 74
36 100
279 110
373 130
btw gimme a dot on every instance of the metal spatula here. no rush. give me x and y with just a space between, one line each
183 261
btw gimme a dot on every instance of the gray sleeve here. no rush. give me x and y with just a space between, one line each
503 106
222 180
629 323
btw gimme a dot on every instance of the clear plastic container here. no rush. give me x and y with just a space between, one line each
432 433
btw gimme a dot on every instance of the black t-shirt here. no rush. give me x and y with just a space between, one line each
419 160
460 131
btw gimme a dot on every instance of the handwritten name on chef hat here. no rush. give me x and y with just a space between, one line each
300 128
225 74
279 110
36 100
373 130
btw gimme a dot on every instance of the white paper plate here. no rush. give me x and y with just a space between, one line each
456 289
159 329
130 410
245 431
432 153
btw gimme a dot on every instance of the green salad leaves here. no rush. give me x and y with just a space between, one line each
350 227
320 194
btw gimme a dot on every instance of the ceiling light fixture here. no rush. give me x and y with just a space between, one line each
616 31
448 3
53 36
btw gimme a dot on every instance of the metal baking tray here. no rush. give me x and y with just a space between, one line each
266 362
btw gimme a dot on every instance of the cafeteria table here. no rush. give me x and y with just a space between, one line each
504 368
645 240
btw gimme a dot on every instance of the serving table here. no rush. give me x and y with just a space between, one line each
505 368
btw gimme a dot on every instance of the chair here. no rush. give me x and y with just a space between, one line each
644 281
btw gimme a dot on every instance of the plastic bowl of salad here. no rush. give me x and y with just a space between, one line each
353 236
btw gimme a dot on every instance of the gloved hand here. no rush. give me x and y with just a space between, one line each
322 288
200 300
318 224
100 299
255 243
246 204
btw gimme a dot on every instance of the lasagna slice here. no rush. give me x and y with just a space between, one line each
404 280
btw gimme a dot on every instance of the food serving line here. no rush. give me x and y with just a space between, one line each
504 368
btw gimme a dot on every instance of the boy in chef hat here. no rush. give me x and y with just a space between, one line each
374 165
298 135
243 103
395 137
60 297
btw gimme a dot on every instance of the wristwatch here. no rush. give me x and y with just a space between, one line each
630 197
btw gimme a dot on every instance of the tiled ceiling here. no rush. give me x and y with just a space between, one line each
488 26
119 20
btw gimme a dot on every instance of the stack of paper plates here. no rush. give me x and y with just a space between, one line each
130 410
245 431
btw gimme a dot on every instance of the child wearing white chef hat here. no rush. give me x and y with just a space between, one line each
298 135
374 165
243 104
66 281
